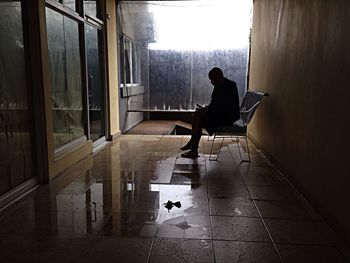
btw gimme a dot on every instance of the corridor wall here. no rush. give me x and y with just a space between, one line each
301 57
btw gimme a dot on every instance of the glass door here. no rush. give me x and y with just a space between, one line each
95 76
96 89
17 172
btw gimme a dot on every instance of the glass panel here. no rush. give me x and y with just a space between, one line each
121 60
91 8
95 82
66 80
70 3
175 57
135 64
127 69
15 111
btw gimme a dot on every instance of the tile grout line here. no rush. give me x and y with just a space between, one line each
300 198
150 251
153 239
263 221
209 215
260 216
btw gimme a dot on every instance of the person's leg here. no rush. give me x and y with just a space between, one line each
197 126
196 133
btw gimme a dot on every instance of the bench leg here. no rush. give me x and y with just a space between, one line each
211 149
239 150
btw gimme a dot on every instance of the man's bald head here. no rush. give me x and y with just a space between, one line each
216 76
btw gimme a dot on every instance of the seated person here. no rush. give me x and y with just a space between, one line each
223 109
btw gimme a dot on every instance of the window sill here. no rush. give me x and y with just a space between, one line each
69 147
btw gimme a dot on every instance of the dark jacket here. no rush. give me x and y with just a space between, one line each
224 106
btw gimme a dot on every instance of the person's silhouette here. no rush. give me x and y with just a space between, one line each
223 109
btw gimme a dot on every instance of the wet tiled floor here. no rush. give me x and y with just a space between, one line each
110 207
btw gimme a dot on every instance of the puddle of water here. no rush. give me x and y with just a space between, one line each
169 205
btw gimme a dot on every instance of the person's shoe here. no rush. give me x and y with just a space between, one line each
188 146
190 154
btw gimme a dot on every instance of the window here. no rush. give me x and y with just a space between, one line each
129 62
68 3
173 56
91 8
95 81
16 120
66 77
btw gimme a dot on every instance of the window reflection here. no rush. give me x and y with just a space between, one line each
129 62
15 111
95 82
70 3
91 8
66 80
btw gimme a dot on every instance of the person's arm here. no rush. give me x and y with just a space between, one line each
214 99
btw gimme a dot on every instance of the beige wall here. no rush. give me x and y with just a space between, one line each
112 63
301 57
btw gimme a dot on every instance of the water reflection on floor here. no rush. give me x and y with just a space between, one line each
112 207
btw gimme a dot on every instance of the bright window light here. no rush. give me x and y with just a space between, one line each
201 25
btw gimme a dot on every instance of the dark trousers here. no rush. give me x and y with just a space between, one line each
197 126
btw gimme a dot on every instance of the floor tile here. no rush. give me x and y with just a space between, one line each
181 251
137 200
159 178
282 209
194 205
257 179
188 177
345 250
57 250
107 249
27 223
332 237
175 192
185 226
191 168
225 179
232 207
263 171
12 246
228 191
245 252
295 232
239 229
307 254
130 225
158 167
217 168
276 192
200 160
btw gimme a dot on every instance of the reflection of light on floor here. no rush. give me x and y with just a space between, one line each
171 192
203 25
170 189
79 211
